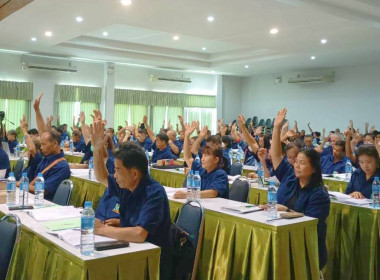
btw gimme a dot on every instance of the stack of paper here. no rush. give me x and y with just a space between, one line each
242 208
72 237
55 213
348 199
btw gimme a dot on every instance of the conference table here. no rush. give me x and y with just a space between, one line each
41 255
237 246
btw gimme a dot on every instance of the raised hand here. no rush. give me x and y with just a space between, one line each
262 154
351 124
220 122
372 129
366 124
241 120
82 117
97 132
223 130
145 119
258 130
203 132
48 122
189 129
180 119
290 133
24 125
37 101
281 115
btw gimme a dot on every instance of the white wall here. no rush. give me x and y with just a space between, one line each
93 74
355 95
232 90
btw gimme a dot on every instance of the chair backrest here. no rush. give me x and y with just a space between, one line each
239 191
63 193
236 169
255 121
247 122
18 168
261 122
9 233
184 184
268 123
191 219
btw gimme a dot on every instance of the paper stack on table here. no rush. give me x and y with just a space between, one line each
72 237
341 197
55 213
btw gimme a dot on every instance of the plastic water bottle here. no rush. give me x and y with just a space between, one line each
196 186
23 140
62 144
272 201
71 147
241 154
238 158
348 169
91 168
18 149
24 190
11 190
376 193
189 185
231 155
197 159
260 174
87 225
39 188
67 139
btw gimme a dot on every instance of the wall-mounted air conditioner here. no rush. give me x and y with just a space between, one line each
155 78
308 78
29 62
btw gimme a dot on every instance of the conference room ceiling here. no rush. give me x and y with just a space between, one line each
237 42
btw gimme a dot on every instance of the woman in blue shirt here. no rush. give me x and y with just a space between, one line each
301 189
214 180
360 185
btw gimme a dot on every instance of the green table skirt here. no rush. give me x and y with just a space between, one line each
353 245
335 185
73 159
236 248
85 190
38 258
167 178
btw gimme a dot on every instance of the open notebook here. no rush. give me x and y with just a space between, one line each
242 208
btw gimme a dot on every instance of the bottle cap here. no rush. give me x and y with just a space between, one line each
24 174
196 172
11 174
271 183
91 158
39 175
88 204
376 178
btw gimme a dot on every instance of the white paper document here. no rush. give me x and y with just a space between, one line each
55 213
72 237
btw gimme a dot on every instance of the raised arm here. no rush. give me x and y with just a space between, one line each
311 131
262 154
98 144
149 130
202 135
247 136
186 145
349 153
366 125
319 149
183 128
28 141
276 150
41 126
49 120
85 129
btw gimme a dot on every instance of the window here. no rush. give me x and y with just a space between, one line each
66 110
14 109
134 114
205 116
163 114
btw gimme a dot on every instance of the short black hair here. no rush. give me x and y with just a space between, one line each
227 141
133 156
215 139
308 135
76 133
163 137
33 131
370 135
142 131
342 144
54 136
12 132
368 150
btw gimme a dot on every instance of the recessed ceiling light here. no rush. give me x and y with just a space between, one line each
105 33
204 48
323 41
210 18
126 2
312 57
33 39
48 34
176 38
246 66
273 31
79 19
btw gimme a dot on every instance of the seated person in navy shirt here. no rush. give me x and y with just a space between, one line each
335 163
4 162
12 140
174 144
308 140
50 147
360 185
79 145
34 149
301 189
214 180
111 133
161 149
329 150
108 209
144 140
144 206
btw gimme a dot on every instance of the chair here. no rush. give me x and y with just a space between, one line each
18 168
255 121
236 169
191 220
268 123
239 191
261 122
63 193
247 122
10 233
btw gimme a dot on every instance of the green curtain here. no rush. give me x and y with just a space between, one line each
206 118
88 109
137 113
153 98
66 112
158 117
16 90
121 113
14 111
191 114
77 93
173 113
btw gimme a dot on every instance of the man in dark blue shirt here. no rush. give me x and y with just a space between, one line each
144 140
161 149
60 171
174 144
144 206
335 162
4 162
79 145
12 140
